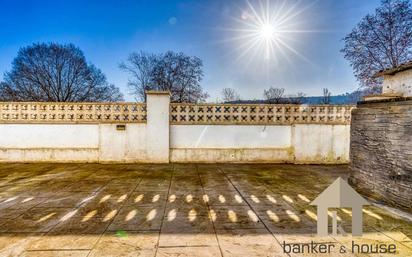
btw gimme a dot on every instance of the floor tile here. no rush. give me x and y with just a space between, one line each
126 243
76 253
188 252
35 220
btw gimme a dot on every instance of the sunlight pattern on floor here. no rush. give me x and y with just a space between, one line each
89 215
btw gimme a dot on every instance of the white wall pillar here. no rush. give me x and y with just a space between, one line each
157 132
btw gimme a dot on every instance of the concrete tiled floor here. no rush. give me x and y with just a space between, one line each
173 210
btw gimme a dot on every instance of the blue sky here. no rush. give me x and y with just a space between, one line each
107 31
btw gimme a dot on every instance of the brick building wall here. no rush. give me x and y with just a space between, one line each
381 151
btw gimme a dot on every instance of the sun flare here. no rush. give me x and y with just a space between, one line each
266 31
269 29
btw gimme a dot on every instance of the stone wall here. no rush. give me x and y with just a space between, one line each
381 151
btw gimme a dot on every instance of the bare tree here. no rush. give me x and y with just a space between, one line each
274 95
176 72
140 66
298 98
58 73
230 94
6 92
326 96
381 40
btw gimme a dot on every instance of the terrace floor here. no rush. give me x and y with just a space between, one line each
175 210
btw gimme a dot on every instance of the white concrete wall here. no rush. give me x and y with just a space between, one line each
72 143
49 136
49 142
159 142
321 143
139 142
400 83
224 136
230 143
122 145
276 144
188 143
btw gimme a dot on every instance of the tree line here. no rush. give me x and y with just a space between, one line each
175 72
56 73
274 95
60 73
52 72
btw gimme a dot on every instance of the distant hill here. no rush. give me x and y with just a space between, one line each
336 99
348 98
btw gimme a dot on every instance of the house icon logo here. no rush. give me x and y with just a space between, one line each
339 195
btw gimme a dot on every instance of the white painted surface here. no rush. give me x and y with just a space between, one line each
229 136
157 133
72 143
49 155
49 136
136 143
341 142
248 155
122 145
112 143
321 143
400 83
306 143
189 143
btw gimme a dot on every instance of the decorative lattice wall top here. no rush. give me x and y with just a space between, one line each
250 114
247 114
72 112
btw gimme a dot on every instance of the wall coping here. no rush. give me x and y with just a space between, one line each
155 92
392 101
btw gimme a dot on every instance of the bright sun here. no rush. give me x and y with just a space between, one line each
269 29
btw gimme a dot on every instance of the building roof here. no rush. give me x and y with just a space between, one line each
339 194
393 71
